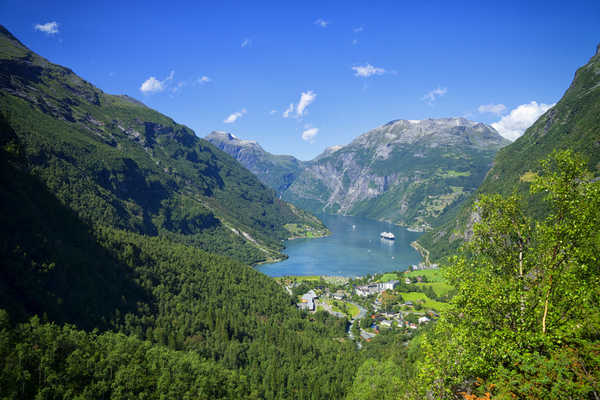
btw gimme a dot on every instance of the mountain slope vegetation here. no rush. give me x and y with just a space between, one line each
119 163
573 123
106 287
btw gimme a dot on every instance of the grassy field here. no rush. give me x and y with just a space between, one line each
389 276
426 301
433 275
350 310
440 288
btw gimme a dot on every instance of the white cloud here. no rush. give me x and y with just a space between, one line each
309 134
246 42
49 28
305 99
235 116
513 125
359 29
153 85
434 94
288 110
272 112
203 79
492 108
367 70
322 23
354 42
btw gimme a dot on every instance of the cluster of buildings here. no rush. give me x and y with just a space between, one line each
386 320
375 288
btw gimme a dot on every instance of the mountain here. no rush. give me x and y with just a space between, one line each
118 163
275 171
573 123
406 172
105 289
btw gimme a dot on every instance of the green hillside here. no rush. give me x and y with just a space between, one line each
573 123
144 310
116 162
107 209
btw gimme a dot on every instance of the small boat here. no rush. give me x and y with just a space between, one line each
387 235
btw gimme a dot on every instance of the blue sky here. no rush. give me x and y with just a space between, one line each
338 68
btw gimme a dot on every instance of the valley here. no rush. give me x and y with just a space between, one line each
428 258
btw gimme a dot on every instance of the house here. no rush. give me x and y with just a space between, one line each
387 323
339 295
390 285
366 335
407 281
423 320
367 290
374 288
309 297
307 301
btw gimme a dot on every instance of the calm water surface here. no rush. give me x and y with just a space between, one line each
353 249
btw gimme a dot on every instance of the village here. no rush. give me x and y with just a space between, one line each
395 302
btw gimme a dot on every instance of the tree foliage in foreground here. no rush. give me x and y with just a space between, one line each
525 322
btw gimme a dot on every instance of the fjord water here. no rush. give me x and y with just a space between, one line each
354 248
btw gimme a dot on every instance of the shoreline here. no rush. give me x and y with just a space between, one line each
423 252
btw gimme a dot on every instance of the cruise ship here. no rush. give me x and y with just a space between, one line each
387 235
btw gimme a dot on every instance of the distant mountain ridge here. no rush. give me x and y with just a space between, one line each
407 172
275 171
573 123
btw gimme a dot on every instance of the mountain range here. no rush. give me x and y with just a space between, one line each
406 172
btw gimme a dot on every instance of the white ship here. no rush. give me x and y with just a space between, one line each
387 235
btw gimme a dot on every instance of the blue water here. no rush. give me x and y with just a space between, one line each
348 251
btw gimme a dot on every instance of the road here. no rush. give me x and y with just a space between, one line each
361 314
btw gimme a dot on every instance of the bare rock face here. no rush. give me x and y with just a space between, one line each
407 172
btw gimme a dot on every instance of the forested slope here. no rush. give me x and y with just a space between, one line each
116 162
106 290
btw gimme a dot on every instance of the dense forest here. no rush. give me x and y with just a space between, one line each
136 303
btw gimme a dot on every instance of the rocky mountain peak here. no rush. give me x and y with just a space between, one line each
440 131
